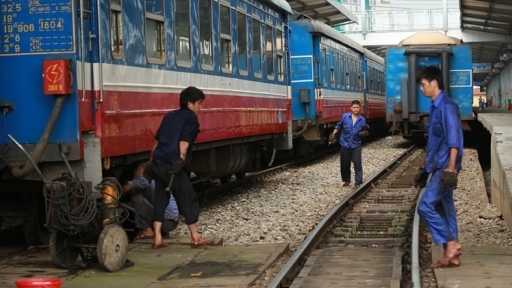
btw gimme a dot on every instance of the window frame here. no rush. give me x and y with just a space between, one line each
160 19
259 22
180 62
280 55
206 66
119 29
228 38
240 71
272 41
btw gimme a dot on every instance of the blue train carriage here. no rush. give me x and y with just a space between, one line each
39 103
90 81
328 71
407 108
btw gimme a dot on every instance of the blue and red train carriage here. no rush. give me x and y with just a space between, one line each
91 80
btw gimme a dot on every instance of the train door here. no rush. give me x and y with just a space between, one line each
89 60
365 73
85 65
423 102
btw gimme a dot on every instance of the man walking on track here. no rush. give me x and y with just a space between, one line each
443 161
353 128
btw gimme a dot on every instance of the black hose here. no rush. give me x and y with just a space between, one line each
73 203
298 133
43 141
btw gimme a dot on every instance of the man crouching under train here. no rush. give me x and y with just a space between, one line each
171 152
443 160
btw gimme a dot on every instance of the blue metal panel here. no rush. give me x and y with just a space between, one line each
303 70
461 64
21 69
396 72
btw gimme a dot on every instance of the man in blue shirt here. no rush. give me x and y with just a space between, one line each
142 191
443 159
353 127
172 151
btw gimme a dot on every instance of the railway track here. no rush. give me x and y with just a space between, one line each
367 239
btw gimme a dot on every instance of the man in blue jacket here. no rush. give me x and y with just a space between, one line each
444 161
353 127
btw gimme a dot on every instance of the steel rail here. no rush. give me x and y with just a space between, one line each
316 235
415 257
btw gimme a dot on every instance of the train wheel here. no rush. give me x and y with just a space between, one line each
62 253
112 248
34 230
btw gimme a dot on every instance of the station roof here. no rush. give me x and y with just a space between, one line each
489 16
327 11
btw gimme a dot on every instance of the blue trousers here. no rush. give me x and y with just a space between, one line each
437 209
347 156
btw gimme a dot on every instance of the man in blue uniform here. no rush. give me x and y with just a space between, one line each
353 127
142 191
171 152
443 159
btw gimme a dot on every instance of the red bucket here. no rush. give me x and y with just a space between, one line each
39 283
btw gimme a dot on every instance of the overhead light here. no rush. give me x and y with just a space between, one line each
499 64
507 55
496 70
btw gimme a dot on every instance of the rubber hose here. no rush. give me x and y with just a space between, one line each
298 133
43 141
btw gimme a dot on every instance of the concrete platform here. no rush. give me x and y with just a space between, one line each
175 266
481 267
498 121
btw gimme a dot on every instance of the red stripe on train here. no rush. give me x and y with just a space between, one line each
126 122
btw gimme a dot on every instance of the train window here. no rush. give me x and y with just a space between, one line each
323 63
242 42
205 34
342 70
116 28
327 67
333 82
256 47
280 53
225 39
337 69
182 33
87 12
269 44
359 80
347 73
155 31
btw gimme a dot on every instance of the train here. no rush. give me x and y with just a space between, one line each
407 108
86 84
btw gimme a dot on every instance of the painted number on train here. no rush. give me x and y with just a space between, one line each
36 26
302 68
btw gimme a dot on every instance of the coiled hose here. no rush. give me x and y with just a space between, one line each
73 203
